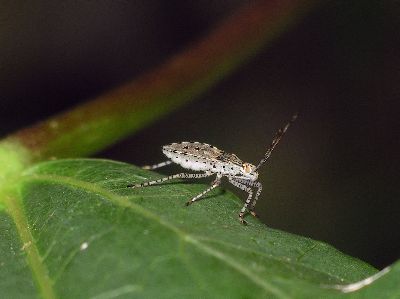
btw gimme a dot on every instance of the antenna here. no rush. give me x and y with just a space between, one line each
275 141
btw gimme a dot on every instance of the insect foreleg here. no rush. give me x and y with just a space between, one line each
242 186
214 184
171 177
155 166
257 185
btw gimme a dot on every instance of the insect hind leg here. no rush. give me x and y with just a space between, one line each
171 177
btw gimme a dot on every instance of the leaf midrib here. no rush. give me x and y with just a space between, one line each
123 201
271 257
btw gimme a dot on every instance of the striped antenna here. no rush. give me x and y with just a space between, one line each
275 141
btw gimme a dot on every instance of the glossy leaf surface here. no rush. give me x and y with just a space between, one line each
71 229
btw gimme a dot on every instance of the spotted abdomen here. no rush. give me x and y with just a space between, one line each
202 157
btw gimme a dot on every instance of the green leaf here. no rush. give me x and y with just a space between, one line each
71 229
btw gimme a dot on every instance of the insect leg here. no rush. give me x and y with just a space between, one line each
242 186
257 185
214 184
171 177
155 166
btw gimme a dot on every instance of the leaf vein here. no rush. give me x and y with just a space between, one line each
124 201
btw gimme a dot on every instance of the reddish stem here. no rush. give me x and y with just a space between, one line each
102 121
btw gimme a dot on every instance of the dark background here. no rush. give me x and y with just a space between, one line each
334 177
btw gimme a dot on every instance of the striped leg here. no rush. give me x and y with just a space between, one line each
171 177
257 185
214 184
155 166
242 186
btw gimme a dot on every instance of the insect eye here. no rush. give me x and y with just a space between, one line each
246 168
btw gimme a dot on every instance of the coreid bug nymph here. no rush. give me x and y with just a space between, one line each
211 160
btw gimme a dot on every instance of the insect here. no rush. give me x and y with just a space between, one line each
210 161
